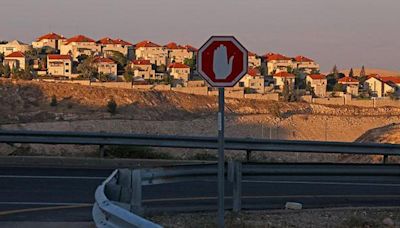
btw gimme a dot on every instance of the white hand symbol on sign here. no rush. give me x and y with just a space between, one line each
222 68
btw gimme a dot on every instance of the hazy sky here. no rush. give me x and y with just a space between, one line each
348 33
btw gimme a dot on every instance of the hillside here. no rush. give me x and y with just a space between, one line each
30 102
386 134
26 105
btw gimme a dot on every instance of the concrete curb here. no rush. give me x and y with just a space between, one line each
87 163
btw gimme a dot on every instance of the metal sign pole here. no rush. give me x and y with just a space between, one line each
221 156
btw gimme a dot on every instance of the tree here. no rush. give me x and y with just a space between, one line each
335 72
53 101
129 73
262 70
88 68
338 87
310 89
1 70
7 71
351 73
191 63
362 72
112 106
286 91
120 59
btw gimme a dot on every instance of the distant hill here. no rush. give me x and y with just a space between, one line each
382 72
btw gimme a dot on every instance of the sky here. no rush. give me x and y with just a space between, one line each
349 33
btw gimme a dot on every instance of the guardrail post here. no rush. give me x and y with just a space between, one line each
248 155
237 186
136 199
101 151
385 159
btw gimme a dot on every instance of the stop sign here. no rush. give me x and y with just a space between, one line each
222 61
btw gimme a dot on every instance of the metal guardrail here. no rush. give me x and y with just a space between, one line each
107 213
248 145
125 187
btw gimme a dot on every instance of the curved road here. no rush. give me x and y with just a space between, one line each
50 194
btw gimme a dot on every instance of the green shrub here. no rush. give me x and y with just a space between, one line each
112 106
53 101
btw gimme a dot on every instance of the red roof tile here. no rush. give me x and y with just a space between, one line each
79 38
251 53
17 54
51 36
303 59
191 48
177 65
393 79
103 60
141 62
347 80
317 76
146 43
106 40
122 42
173 45
53 56
253 71
275 56
283 74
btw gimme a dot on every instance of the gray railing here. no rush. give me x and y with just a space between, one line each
109 213
248 145
125 189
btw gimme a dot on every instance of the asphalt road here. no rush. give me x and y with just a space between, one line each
40 194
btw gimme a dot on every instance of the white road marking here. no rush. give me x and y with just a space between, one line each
42 203
52 177
323 183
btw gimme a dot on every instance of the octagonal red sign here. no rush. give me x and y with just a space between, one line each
222 61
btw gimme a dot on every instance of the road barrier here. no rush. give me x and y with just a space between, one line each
124 186
248 145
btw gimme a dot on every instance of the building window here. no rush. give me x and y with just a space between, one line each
66 71
66 64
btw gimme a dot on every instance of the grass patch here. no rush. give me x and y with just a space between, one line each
137 152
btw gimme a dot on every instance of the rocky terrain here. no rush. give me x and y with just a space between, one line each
332 218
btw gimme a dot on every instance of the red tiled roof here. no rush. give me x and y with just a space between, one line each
17 54
253 71
191 48
317 76
51 36
173 45
251 53
106 40
146 43
122 42
141 62
275 56
303 59
177 65
103 60
347 80
283 74
79 38
53 56
393 79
